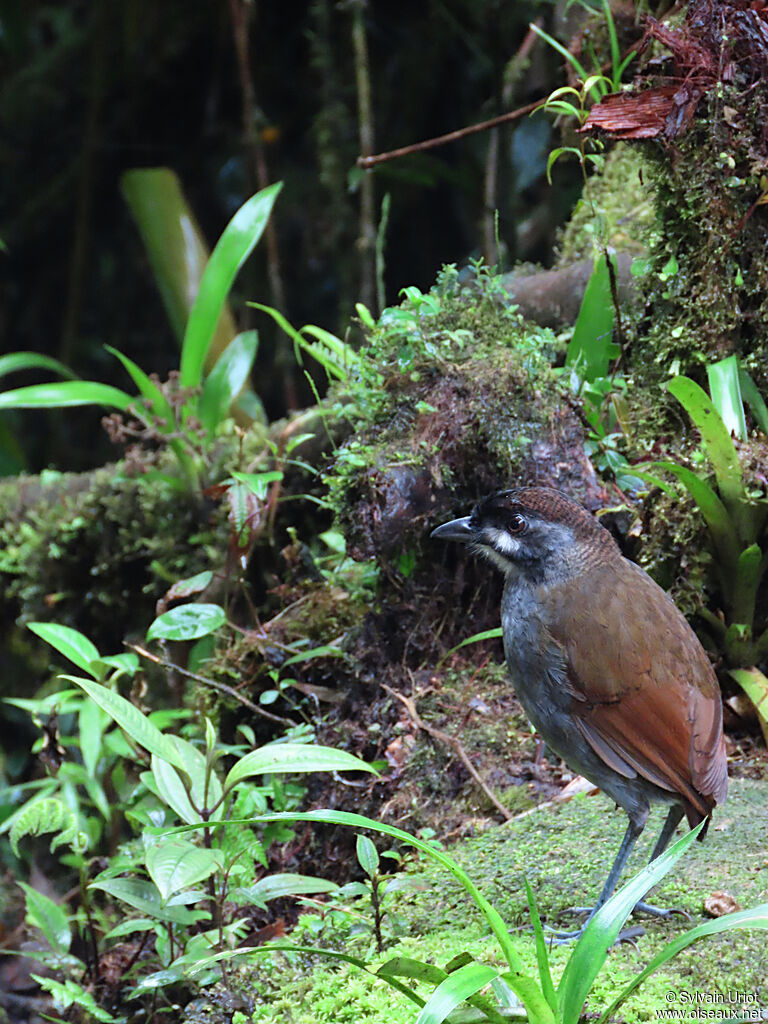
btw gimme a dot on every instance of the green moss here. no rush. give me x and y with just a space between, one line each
616 208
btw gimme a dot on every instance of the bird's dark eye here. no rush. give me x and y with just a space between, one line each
517 523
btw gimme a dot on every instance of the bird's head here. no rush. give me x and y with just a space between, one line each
535 532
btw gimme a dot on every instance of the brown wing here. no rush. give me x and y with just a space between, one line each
645 696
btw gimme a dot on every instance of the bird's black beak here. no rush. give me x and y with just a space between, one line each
457 529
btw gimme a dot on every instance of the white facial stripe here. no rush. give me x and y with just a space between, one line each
502 541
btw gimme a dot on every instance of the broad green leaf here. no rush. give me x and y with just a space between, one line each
275 887
725 390
591 949
227 379
406 967
232 249
454 989
49 917
757 917
367 856
749 570
71 643
189 586
717 444
15 361
174 864
755 685
132 925
159 405
65 394
172 790
131 720
175 245
145 897
754 400
592 347
293 757
187 622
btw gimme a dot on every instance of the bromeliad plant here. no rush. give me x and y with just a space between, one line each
185 417
736 518
511 985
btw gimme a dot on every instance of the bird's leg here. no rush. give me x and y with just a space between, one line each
634 828
673 819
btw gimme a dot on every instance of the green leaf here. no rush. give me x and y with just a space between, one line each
130 720
578 68
754 400
542 959
293 757
258 483
591 347
757 917
174 864
44 815
602 931
716 516
324 651
65 394
71 643
332 354
187 622
275 887
49 917
16 361
159 405
725 390
175 245
488 634
227 379
145 897
204 786
367 856
457 987
717 443
232 249
90 726
755 685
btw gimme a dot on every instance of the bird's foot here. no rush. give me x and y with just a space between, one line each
648 908
561 938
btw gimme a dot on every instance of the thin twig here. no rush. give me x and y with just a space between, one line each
450 741
417 147
210 682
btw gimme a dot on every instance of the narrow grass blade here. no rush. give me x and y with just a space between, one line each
232 249
542 958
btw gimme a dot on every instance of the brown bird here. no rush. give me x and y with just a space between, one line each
606 667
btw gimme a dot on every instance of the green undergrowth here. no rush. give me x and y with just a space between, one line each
565 851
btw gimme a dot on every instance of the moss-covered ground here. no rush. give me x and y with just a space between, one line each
564 850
